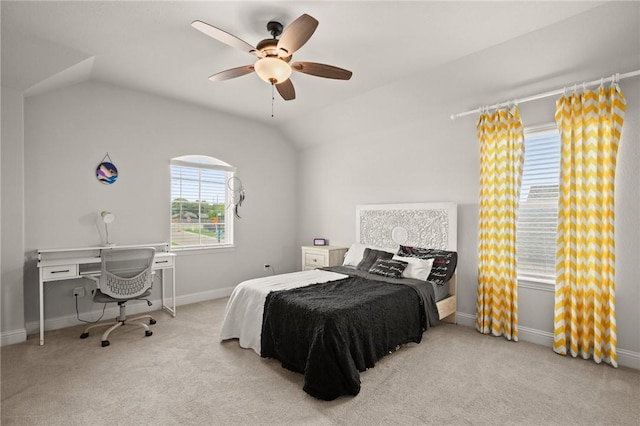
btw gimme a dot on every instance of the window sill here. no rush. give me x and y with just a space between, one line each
533 283
202 249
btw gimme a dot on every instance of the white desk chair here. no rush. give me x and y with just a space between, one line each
125 275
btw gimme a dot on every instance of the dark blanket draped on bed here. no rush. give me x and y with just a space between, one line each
332 331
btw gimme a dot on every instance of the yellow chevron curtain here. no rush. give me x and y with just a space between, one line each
501 157
590 124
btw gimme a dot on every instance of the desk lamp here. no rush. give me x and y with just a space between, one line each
107 217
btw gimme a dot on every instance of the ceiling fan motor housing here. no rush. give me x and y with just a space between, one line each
269 46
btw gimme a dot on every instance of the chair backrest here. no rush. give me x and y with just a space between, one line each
126 272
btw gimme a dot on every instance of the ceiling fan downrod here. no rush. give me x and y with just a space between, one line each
274 28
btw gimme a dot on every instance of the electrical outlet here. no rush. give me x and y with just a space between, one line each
266 266
78 291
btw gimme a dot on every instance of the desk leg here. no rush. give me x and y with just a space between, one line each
172 309
173 294
41 298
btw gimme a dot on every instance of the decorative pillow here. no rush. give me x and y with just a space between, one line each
444 262
388 268
418 269
354 255
370 256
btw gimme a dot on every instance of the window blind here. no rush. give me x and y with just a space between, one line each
538 209
198 200
198 184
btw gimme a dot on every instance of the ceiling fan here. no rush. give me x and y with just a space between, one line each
275 54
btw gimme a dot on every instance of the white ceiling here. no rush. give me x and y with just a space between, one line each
151 46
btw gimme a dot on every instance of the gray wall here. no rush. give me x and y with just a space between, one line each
407 163
404 148
12 218
67 134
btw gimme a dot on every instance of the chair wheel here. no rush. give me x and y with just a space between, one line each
148 333
152 321
105 343
84 335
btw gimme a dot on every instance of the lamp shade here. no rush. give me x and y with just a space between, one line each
107 217
272 70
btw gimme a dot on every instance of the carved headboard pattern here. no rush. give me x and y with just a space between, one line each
429 225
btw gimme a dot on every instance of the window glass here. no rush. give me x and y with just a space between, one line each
538 208
198 202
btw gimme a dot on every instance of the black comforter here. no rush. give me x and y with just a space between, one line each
332 331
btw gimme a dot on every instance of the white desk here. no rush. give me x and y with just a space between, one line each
72 263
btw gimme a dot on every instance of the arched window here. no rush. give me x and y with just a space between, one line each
199 200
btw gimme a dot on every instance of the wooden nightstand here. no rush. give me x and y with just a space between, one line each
317 256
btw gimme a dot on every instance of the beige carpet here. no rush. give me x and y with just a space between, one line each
182 375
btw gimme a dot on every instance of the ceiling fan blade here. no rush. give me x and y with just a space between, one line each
232 73
225 37
286 90
321 70
297 33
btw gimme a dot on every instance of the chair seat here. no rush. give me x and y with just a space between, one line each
100 297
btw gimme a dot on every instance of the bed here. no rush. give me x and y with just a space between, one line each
397 280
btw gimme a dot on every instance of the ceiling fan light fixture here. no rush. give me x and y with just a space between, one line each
272 70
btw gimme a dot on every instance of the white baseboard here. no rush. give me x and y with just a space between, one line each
113 311
465 319
13 336
626 358
205 295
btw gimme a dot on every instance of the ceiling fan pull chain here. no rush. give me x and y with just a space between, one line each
273 96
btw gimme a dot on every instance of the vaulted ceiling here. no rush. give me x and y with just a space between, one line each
151 46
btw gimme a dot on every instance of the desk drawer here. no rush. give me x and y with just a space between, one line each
161 262
59 272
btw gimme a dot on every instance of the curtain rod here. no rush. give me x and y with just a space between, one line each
615 77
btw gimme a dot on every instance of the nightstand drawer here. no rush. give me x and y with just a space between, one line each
315 259
318 256
59 272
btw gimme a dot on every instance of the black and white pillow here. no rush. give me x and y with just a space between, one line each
370 256
388 268
444 262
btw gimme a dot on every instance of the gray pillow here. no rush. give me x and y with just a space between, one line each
369 258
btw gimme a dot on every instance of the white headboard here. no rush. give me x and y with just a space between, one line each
428 225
